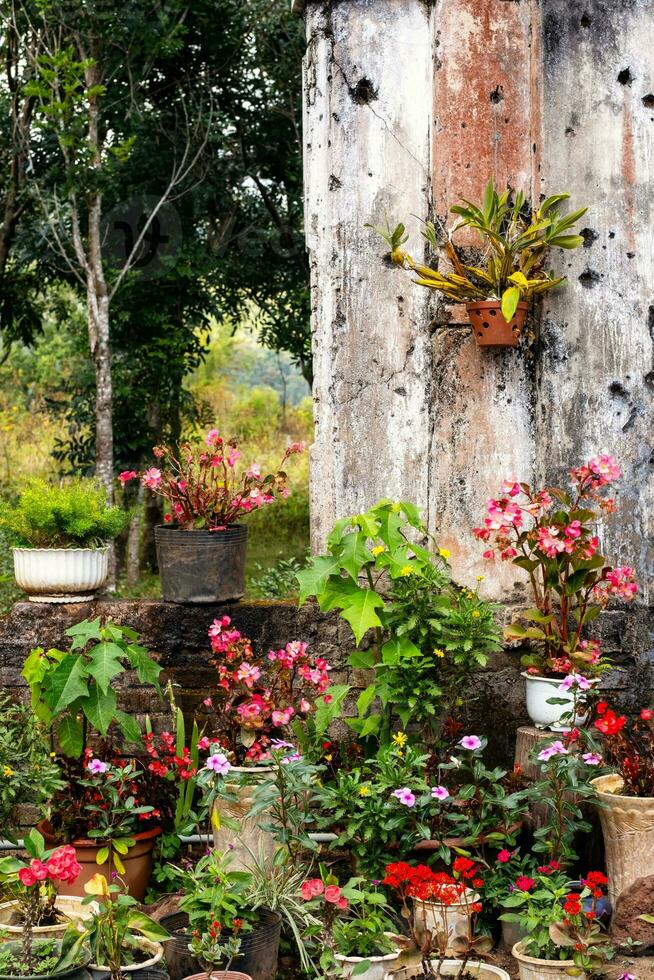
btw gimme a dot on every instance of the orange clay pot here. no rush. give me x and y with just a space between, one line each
489 326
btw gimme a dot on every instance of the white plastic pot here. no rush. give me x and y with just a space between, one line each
71 909
377 970
531 968
155 950
545 715
60 574
435 916
451 968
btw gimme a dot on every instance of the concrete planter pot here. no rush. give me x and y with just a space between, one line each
489 327
249 839
201 566
451 968
628 830
153 951
60 574
70 910
435 916
545 715
531 968
137 862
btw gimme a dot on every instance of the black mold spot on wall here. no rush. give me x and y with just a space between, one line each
616 388
589 278
648 100
334 183
589 236
650 321
497 95
364 92
585 20
625 76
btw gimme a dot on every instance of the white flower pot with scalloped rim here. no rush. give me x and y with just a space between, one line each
451 968
531 968
70 910
378 965
60 574
544 715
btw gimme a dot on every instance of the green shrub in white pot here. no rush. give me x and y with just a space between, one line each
62 533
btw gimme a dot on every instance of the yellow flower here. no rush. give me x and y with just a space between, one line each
438 652
97 885
445 553
7 771
400 738
377 550
329 757
53 755
480 578
406 570
476 614
364 791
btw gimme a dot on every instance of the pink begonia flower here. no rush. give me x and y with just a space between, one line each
203 743
213 438
248 673
575 680
281 718
208 703
296 447
510 487
440 792
218 763
549 542
233 457
592 759
606 467
470 742
254 472
152 478
508 553
305 707
489 555
97 766
555 748
405 796
127 475
573 530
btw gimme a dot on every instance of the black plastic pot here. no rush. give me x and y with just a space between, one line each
258 955
201 566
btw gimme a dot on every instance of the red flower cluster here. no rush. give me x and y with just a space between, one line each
62 865
629 747
608 722
433 886
165 759
595 880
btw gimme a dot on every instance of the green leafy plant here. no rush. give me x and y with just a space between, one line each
279 581
71 515
284 801
515 243
428 636
210 890
114 932
115 812
72 692
28 774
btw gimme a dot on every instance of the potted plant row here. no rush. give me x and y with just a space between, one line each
62 533
201 547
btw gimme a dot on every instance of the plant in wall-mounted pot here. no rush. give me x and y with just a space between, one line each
497 284
552 535
201 546
107 808
626 796
62 534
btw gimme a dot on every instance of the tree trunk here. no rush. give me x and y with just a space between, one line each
134 541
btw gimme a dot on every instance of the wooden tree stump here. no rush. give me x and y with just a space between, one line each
527 739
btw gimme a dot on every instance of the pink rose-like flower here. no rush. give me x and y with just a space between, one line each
470 742
312 889
97 766
127 475
332 894
27 877
341 903
152 478
440 792
218 763
405 796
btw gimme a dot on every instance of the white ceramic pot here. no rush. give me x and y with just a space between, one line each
531 968
71 910
60 574
628 830
455 918
451 968
545 715
249 840
378 967
155 950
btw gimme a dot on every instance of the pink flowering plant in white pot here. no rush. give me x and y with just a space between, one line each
552 534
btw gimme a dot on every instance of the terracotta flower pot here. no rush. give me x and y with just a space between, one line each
628 829
137 862
531 968
489 326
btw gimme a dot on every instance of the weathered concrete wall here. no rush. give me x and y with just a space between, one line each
177 638
548 96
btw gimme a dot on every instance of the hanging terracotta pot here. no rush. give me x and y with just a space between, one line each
489 326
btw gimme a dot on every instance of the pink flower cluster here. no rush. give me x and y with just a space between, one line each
314 888
62 865
262 695
619 582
